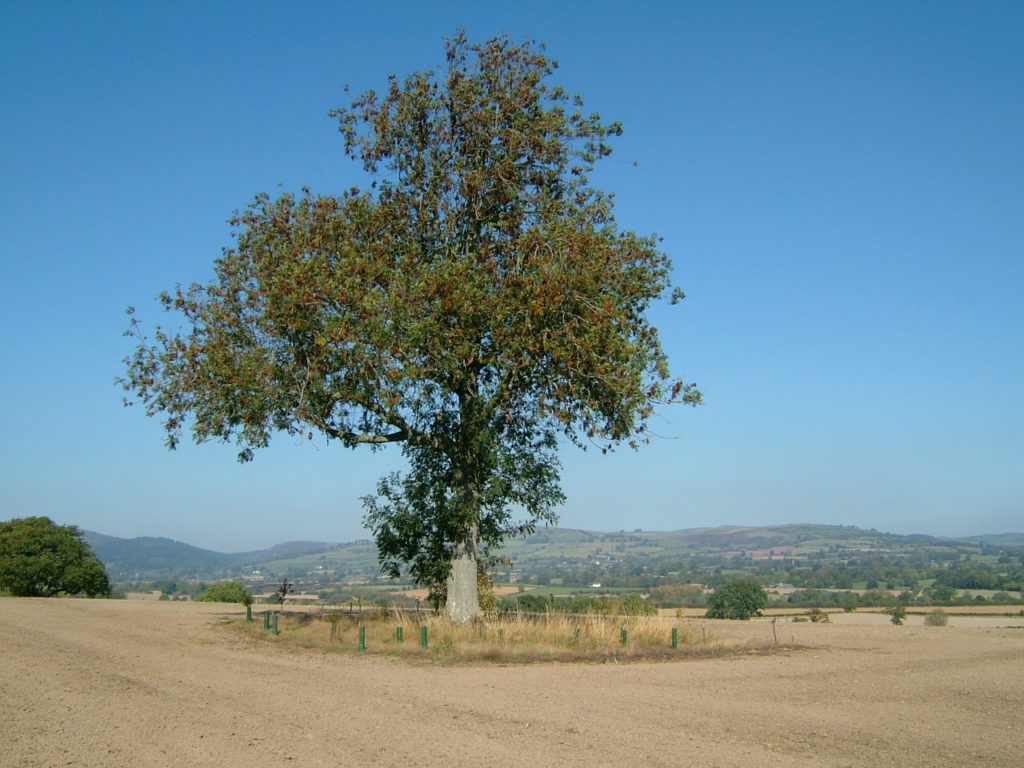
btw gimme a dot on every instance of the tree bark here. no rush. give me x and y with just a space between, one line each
463 602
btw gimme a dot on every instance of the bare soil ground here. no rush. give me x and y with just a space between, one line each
147 684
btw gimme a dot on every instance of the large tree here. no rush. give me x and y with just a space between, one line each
39 558
475 303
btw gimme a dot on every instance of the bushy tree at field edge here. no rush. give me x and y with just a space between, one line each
743 599
39 558
225 592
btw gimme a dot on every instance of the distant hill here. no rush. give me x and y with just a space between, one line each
284 550
724 540
1014 540
555 551
147 558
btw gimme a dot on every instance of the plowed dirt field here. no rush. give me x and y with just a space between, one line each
153 685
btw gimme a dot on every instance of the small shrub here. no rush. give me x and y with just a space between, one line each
849 602
937 618
635 605
898 615
818 616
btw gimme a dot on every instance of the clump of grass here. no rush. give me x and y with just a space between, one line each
510 638
937 618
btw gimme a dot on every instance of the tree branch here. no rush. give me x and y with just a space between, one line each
366 438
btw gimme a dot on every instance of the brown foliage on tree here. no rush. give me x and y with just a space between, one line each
474 304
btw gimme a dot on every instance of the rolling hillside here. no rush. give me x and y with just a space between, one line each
150 558
560 555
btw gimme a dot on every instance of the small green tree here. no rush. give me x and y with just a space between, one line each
39 558
224 592
897 615
743 598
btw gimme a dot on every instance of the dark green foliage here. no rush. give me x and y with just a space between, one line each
635 605
226 592
413 515
677 596
942 593
528 602
969 575
743 598
39 558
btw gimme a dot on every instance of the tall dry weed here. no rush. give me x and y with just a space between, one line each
510 637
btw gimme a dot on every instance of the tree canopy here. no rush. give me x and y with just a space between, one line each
476 303
39 558
224 592
743 598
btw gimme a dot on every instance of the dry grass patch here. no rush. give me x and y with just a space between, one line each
512 638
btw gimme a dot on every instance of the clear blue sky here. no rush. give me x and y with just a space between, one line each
841 186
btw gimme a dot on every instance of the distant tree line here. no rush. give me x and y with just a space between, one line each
867 571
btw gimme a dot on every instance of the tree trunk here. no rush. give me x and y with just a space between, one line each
463 603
